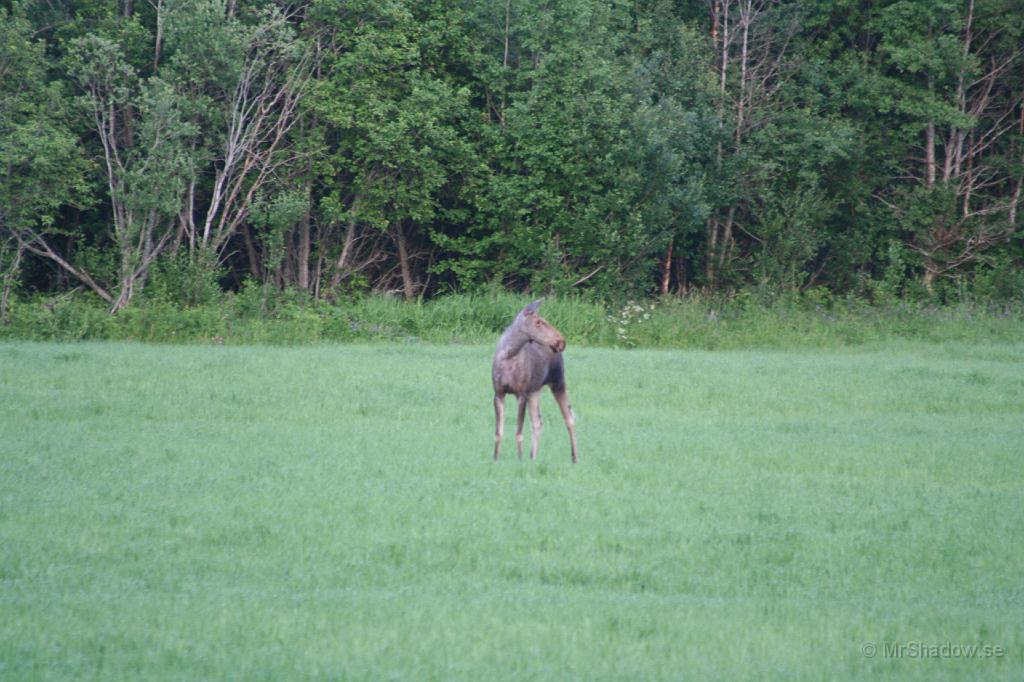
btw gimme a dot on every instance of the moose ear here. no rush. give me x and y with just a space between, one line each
532 308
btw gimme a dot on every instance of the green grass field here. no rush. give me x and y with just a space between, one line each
184 512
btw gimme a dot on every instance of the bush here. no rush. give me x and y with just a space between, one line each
184 280
1000 280
264 315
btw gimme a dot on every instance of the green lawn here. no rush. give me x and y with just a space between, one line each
333 512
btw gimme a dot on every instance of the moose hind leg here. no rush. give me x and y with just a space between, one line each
499 428
562 398
536 424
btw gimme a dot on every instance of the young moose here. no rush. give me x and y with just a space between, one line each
529 357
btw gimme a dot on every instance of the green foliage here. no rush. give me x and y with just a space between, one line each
999 280
888 288
186 281
184 305
575 148
41 163
572 196
393 116
273 217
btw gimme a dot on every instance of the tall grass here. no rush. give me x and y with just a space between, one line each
331 512
259 316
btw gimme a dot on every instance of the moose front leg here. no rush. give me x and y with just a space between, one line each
520 417
499 428
536 424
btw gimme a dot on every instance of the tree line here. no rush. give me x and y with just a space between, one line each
424 146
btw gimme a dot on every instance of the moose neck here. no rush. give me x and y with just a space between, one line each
512 341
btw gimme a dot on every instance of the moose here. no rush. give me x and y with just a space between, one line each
528 358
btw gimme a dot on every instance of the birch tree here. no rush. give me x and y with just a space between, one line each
244 77
144 158
955 70
751 45
261 110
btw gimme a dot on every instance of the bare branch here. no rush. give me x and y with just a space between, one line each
38 245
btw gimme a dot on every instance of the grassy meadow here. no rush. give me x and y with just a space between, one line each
332 512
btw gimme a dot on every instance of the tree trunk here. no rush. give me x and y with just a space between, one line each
666 271
302 257
726 238
250 250
508 16
126 285
5 296
1015 202
712 246
159 39
681 276
124 297
930 273
408 285
346 252
318 276
929 153
10 275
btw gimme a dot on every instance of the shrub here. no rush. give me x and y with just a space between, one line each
262 314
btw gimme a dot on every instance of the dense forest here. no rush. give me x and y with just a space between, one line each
638 147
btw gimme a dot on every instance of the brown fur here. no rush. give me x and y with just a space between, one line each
529 357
